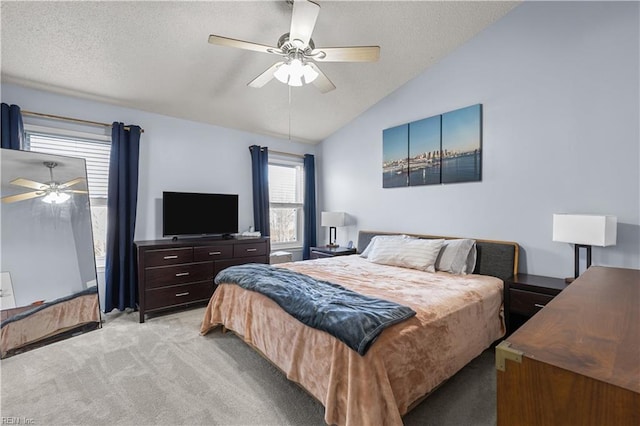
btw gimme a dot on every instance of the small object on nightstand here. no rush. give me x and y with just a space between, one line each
526 294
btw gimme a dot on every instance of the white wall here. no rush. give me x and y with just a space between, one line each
559 86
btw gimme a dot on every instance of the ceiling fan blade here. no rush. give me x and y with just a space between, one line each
71 182
346 54
303 20
77 191
322 82
247 45
265 77
29 183
22 197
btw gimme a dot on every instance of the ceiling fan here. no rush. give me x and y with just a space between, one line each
299 52
52 191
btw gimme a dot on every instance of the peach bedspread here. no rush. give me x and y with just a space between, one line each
457 318
52 320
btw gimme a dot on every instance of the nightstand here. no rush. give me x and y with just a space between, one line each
320 252
526 294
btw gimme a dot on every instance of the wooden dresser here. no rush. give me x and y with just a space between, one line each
577 361
180 273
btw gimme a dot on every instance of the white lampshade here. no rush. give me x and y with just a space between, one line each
585 229
332 219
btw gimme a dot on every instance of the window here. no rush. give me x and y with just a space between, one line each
286 196
95 149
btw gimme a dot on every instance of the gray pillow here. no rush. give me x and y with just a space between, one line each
456 256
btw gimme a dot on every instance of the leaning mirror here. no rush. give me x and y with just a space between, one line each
49 287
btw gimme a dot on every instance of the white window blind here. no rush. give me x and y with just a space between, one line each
95 152
286 191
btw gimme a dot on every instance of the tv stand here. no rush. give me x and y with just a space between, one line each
227 236
173 274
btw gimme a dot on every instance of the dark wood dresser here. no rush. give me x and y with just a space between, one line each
180 273
577 361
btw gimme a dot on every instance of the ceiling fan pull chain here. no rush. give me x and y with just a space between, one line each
289 113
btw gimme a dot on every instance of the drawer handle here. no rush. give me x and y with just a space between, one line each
537 305
252 249
171 257
186 293
182 274
213 253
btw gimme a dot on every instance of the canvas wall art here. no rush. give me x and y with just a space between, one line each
395 157
462 145
445 148
424 151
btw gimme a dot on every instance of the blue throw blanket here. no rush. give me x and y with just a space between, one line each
353 318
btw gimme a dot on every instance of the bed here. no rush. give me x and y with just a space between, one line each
457 317
28 327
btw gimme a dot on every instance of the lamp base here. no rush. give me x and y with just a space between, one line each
333 245
576 261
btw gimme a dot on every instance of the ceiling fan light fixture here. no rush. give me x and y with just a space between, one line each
309 73
293 71
55 197
282 73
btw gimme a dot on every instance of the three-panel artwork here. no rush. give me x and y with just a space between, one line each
445 148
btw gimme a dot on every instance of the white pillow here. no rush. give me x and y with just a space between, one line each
372 243
454 255
407 253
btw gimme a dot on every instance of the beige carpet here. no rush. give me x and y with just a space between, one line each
163 372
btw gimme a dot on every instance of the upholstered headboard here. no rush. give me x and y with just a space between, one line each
495 258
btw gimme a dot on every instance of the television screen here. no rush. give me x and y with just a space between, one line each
188 213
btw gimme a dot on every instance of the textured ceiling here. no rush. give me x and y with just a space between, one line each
154 56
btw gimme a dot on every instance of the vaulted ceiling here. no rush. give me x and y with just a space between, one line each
154 56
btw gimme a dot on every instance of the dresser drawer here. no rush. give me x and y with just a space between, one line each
251 249
526 302
179 294
168 256
212 252
179 274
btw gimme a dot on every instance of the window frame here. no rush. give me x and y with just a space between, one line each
276 160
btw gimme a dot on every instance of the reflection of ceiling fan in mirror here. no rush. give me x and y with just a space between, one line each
299 52
52 191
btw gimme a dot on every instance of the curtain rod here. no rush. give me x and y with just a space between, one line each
286 153
73 120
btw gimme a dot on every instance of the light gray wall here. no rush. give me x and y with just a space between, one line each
559 86
175 154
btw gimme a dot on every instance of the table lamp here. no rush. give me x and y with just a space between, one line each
584 231
332 220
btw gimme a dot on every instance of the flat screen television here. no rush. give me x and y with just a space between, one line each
189 213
